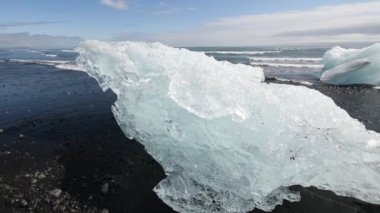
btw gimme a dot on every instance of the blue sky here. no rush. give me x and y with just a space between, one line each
185 22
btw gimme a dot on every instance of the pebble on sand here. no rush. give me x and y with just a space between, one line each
104 188
56 193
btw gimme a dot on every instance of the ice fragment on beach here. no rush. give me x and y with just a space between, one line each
229 142
352 66
56 192
104 188
40 175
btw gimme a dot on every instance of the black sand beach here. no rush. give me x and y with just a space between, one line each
61 150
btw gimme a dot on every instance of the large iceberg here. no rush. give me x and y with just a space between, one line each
352 66
229 142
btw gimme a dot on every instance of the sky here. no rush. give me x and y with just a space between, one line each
58 24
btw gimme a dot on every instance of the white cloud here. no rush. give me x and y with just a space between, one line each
117 4
4 25
11 40
348 23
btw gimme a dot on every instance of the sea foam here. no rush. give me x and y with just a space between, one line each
245 52
229 142
284 59
267 64
65 65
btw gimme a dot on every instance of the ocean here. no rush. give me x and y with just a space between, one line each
287 64
56 120
292 64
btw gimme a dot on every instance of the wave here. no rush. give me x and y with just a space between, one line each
228 141
69 51
42 53
34 51
263 64
70 67
286 59
41 62
66 65
294 81
243 52
51 55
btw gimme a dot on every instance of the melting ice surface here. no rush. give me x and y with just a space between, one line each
352 66
227 141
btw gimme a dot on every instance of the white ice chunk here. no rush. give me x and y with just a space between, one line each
227 141
351 66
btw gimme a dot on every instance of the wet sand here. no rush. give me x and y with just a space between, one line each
61 150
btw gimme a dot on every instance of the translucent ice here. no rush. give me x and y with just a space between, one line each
352 66
227 141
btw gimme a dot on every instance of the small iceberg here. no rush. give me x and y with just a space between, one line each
352 66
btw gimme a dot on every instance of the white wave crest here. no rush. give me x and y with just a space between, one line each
295 81
69 51
41 53
66 65
74 67
285 59
227 141
264 64
243 52
51 55
41 62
